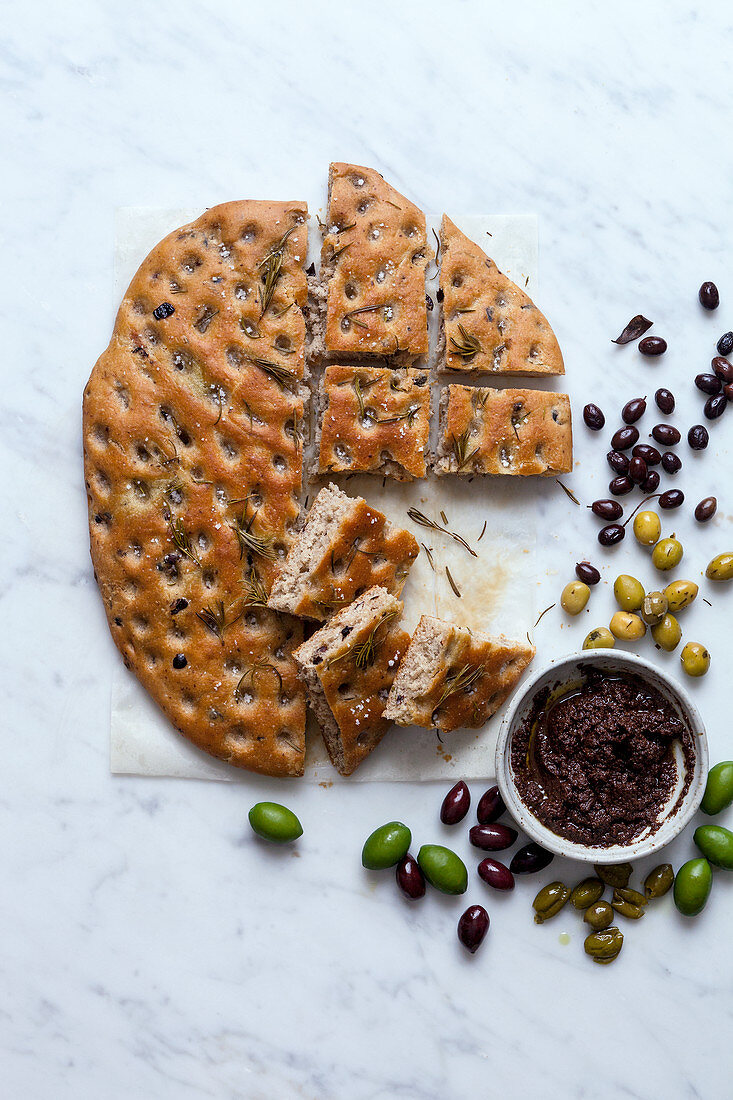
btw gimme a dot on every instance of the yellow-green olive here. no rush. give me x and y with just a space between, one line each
654 607
629 592
695 659
604 947
574 597
680 594
659 881
627 627
667 632
599 916
667 554
599 638
720 568
614 874
647 528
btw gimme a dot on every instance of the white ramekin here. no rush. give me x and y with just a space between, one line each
565 670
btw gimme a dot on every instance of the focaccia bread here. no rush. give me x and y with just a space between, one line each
489 325
487 431
454 678
345 548
193 465
373 263
374 420
348 666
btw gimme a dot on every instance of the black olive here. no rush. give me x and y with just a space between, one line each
725 344
637 470
593 417
708 295
652 345
706 509
624 438
607 509
728 391
179 661
610 535
586 572
665 401
633 410
708 383
165 309
715 406
671 463
698 437
618 462
651 482
666 435
671 498
178 605
650 454
621 485
723 368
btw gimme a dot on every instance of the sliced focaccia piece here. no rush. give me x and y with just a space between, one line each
373 265
348 667
345 548
487 431
374 420
193 466
452 677
489 325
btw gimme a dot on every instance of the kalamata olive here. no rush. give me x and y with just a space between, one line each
665 401
671 498
708 383
490 807
492 838
728 391
723 369
698 437
620 485
633 410
455 804
650 483
725 344
619 463
652 345
706 509
666 434
607 509
637 470
586 572
593 417
624 438
708 295
611 534
671 463
410 878
650 454
715 406
472 927
495 874
529 859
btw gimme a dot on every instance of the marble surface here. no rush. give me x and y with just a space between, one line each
150 945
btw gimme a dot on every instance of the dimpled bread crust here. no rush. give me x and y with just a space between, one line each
192 457
453 678
348 666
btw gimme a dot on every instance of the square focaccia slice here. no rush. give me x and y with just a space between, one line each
373 263
452 677
488 431
488 324
348 667
345 548
193 466
374 420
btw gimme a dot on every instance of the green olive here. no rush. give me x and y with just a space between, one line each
386 846
680 594
599 638
550 901
614 874
720 568
626 908
716 844
695 659
443 869
667 633
604 947
574 597
647 528
667 554
718 789
274 822
627 627
692 886
587 893
629 592
625 893
654 608
659 881
599 916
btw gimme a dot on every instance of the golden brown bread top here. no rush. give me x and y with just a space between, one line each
374 253
488 431
375 420
193 465
490 324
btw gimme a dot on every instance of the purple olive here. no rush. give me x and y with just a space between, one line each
490 807
666 434
472 927
529 859
698 437
492 838
665 401
728 391
624 438
723 368
455 804
638 470
495 874
671 463
410 878
709 296
586 572
620 485
706 509
593 417
715 406
651 455
652 345
708 383
607 509
650 484
672 498
611 534
633 410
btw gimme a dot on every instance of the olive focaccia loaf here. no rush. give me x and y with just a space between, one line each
488 324
348 666
193 465
453 678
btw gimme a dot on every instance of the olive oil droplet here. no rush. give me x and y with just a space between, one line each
564 938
